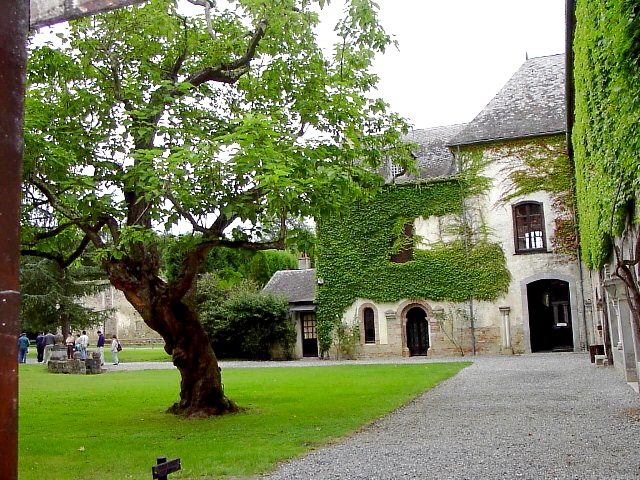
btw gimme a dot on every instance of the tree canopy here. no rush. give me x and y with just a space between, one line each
146 118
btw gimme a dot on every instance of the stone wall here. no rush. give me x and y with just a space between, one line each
123 319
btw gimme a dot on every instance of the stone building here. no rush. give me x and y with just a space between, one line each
515 142
122 320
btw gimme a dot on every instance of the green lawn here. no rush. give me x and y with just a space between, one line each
129 353
114 426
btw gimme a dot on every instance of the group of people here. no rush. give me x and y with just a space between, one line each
78 344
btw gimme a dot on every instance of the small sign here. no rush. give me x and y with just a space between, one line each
48 12
165 468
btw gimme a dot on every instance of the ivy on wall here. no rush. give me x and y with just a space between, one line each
354 254
543 164
606 134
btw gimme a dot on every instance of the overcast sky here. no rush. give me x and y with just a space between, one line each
455 55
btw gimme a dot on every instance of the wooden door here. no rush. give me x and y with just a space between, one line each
309 335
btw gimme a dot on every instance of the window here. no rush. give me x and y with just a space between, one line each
528 219
396 170
369 326
403 245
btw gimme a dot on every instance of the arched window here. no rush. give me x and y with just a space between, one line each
369 326
528 227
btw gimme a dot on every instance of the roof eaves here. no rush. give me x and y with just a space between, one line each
504 138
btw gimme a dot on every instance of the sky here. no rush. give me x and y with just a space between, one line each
455 55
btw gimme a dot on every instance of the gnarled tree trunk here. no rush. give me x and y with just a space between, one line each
201 388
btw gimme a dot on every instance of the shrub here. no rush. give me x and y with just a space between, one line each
244 323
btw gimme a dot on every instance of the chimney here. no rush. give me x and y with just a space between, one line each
304 262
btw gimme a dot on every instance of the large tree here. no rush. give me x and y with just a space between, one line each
146 118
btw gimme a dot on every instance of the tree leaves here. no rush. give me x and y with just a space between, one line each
141 118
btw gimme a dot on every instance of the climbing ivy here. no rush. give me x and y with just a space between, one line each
543 164
354 254
606 135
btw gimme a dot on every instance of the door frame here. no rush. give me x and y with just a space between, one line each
576 320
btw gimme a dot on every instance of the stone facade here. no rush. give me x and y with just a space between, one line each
547 304
123 320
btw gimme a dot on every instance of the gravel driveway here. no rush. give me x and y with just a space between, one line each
541 416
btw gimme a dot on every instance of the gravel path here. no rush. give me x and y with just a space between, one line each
542 416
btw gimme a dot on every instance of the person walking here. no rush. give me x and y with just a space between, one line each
115 348
40 346
49 342
100 346
23 348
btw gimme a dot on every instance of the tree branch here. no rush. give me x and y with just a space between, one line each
53 199
231 72
185 214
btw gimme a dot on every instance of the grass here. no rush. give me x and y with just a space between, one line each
139 354
136 353
114 425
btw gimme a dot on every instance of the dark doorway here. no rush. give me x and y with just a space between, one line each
417 332
550 316
309 334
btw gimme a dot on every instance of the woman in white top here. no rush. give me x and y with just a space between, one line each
114 349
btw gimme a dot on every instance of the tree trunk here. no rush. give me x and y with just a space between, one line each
201 388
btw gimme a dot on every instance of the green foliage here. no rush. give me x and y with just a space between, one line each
606 134
355 249
139 118
542 164
267 262
346 340
244 323
286 416
50 295
229 265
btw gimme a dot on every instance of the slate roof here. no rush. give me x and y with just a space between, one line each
299 286
532 103
433 157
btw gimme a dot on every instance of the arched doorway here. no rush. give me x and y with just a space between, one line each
417 331
549 306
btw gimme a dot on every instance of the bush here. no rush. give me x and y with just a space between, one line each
244 323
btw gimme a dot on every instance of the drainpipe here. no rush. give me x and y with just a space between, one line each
466 249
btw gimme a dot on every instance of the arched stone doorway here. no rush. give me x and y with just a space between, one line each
550 322
417 329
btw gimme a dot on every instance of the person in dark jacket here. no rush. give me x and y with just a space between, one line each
40 346
100 346
49 342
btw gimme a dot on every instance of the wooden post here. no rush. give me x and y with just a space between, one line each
14 24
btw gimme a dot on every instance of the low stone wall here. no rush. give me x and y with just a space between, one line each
59 363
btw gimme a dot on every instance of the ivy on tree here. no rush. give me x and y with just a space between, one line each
143 118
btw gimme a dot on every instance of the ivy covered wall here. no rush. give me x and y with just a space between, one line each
354 255
606 135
